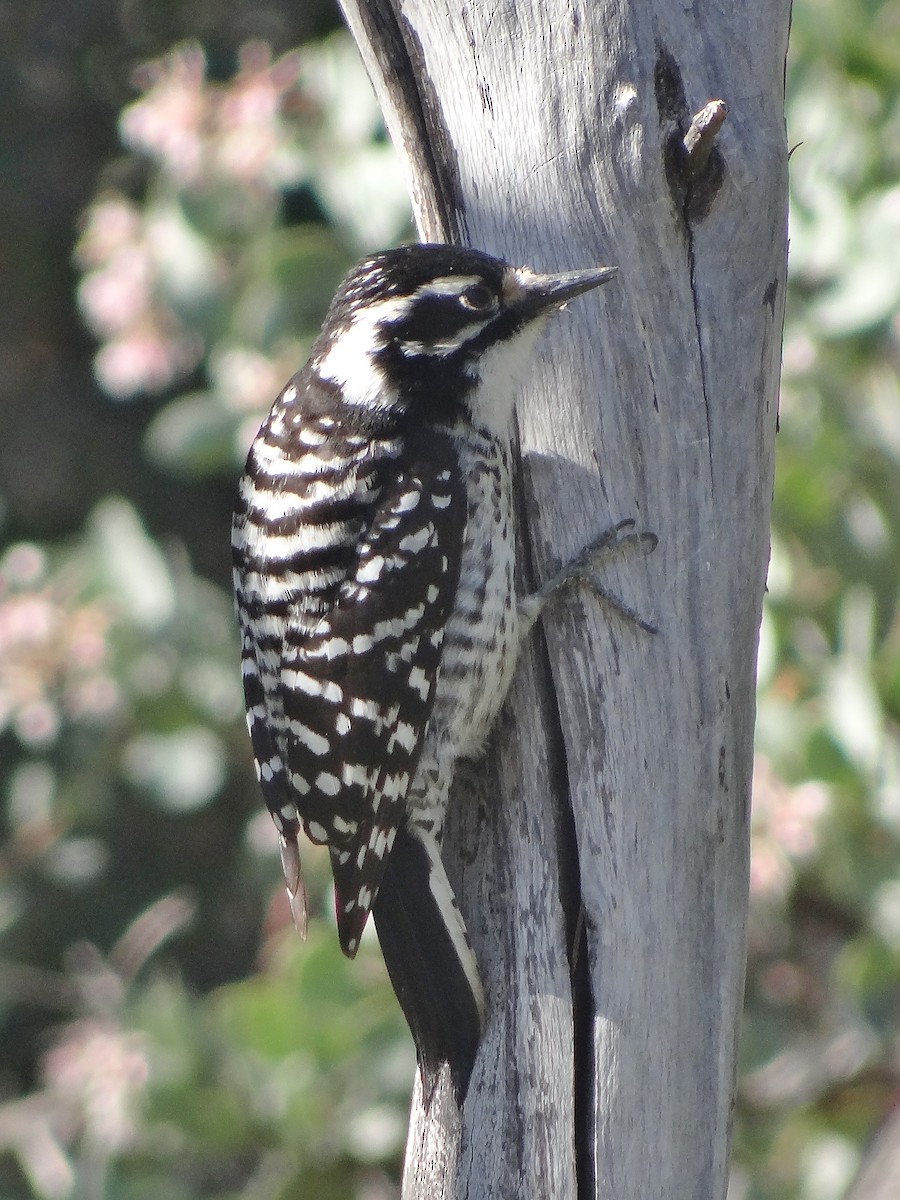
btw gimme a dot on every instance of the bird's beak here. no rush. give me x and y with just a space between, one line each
532 293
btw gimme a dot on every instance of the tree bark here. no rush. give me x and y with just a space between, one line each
558 134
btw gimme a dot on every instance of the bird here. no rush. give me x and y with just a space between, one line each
374 570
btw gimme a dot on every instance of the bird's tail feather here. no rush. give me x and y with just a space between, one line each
429 960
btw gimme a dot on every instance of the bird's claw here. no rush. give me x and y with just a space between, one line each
620 539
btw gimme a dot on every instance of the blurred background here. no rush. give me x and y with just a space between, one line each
182 186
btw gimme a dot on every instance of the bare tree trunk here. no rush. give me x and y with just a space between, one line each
553 133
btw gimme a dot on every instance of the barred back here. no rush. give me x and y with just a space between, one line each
346 546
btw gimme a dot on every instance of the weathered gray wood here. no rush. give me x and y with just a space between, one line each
548 131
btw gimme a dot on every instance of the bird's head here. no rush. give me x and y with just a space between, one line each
439 326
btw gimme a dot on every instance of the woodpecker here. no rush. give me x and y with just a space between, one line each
374 562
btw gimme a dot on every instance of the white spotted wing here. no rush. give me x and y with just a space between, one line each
358 690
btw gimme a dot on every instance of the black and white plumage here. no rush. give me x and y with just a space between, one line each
374 557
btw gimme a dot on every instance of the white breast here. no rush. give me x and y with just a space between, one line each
478 656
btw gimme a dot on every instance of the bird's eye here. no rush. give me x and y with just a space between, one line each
478 298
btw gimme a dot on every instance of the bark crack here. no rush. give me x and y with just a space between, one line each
695 171
583 1073
427 142
695 300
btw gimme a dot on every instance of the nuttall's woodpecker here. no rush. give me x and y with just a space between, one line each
374 561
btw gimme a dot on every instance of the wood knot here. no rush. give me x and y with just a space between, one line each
694 164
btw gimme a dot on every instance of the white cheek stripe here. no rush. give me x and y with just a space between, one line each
448 285
350 362
443 349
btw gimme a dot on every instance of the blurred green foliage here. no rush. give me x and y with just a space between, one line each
820 1067
168 1035
164 1033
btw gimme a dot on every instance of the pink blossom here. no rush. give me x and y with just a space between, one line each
100 1072
144 360
785 829
246 379
115 296
37 723
23 565
53 653
248 115
112 223
168 121
254 96
92 698
25 621
87 638
771 874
